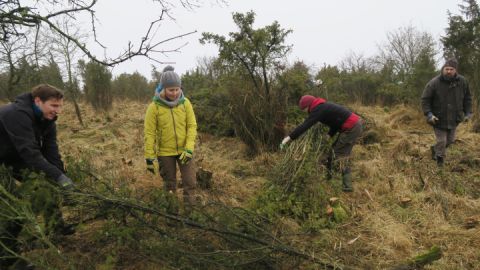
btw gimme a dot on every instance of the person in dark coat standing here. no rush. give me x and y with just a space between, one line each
28 141
446 102
340 120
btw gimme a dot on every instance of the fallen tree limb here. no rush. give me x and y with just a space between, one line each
278 247
419 261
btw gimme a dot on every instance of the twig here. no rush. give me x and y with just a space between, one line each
368 195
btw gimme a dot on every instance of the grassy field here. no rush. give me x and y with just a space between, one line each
402 205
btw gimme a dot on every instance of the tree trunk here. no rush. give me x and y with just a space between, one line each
72 89
77 111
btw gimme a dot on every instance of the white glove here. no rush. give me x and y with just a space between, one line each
284 142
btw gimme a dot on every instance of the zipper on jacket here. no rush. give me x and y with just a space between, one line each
174 129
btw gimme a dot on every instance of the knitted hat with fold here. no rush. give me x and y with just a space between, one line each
170 78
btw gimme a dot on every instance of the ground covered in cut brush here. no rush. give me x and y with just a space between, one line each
402 205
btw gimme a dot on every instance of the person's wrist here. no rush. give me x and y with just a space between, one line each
149 161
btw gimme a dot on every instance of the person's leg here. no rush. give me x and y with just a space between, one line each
168 171
343 149
440 145
451 136
189 181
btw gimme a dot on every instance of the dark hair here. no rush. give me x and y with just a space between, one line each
46 92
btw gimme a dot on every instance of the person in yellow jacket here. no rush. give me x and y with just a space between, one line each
170 132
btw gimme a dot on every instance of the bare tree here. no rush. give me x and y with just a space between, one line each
403 48
17 16
68 51
12 52
354 62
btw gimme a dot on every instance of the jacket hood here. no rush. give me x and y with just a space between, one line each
24 100
25 103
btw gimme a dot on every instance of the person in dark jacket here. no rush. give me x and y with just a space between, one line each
28 139
446 102
340 120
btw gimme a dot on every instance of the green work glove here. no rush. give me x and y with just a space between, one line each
185 157
65 182
150 166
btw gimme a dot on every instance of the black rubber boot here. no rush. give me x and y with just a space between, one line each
440 161
347 181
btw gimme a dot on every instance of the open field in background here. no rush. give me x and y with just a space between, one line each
402 204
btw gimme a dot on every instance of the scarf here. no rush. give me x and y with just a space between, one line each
161 99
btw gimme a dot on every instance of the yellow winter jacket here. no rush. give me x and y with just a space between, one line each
169 131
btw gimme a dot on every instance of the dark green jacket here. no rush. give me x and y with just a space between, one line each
449 100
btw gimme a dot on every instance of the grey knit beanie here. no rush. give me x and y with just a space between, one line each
452 62
170 78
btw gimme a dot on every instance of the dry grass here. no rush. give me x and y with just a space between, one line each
396 167
236 177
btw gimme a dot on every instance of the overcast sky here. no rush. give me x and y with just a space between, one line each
323 31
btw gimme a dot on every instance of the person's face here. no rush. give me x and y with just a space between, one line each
50 108
172 93
449 72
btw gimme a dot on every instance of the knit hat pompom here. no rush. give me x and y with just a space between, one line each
305 101
168 68
170 78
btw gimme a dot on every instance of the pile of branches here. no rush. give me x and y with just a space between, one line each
302 155
297 188
153 228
